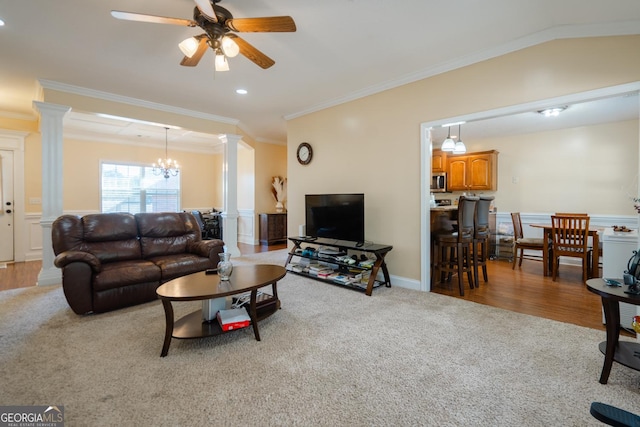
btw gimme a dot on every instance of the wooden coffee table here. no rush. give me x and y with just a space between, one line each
201 286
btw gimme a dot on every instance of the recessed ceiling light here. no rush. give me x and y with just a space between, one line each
447 125
552 112
241 91
1 22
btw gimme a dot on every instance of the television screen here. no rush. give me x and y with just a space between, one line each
335 216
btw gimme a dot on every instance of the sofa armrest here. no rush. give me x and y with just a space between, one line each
207 248
67 257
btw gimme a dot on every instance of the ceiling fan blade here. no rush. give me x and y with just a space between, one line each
206 9
253 54
276 24
193 61
130 16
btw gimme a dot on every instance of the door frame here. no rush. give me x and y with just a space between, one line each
426 154
14 141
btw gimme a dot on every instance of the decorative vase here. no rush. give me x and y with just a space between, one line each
279 207
225 268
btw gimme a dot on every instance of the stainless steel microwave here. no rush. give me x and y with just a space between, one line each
439 182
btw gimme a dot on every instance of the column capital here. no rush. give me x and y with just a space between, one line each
49 108
229 138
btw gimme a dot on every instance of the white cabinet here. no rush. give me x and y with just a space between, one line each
617 249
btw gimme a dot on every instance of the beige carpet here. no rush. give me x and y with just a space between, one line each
329 357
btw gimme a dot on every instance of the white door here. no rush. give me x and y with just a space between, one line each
7 208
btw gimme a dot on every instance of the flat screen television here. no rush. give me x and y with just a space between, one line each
335 216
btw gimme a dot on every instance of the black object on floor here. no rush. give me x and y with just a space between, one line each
614 416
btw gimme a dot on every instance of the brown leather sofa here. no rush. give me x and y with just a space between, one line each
115 260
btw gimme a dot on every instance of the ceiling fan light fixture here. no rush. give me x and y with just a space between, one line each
230 47
221 62
189 46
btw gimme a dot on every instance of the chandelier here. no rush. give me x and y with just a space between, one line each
166 167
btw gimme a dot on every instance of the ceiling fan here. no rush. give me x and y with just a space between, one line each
219 26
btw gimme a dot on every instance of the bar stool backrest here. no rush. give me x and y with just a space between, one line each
466 216
481 226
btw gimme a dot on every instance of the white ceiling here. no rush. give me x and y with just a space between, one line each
343 49
603 110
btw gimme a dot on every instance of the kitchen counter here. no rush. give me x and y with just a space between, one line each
444 208
443 218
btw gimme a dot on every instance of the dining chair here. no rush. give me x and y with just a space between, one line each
570 235
200 221
452 250
522 244
481 238
590 249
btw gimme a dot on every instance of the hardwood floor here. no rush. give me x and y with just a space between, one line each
19 274
523 290
526 290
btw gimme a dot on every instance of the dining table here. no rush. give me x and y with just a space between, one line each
547 260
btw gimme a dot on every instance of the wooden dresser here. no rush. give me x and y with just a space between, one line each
273 228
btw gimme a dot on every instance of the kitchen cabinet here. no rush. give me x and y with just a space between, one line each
473 171
438 161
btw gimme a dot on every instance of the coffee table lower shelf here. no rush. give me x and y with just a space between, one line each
627 353
193 326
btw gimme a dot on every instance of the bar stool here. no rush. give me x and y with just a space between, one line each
452 250
481 238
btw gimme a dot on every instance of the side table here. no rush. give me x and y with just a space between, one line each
624 352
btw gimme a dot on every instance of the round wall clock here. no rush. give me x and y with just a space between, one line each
304 153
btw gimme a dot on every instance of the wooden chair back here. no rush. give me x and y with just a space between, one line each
570 235
517 225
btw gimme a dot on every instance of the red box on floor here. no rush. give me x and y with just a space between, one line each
236 318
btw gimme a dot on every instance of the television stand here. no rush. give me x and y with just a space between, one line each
343 268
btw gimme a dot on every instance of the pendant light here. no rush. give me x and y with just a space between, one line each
459 147
448 144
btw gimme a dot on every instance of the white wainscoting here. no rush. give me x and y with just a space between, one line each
247 227
33 237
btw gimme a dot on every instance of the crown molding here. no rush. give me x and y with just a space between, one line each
18 116
215 146
92 93
550 34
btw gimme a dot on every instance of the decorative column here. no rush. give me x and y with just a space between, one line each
51 116
230 190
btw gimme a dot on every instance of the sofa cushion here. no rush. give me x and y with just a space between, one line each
111 237
117 274
177 265
166 233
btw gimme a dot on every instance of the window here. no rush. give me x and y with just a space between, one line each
135 188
